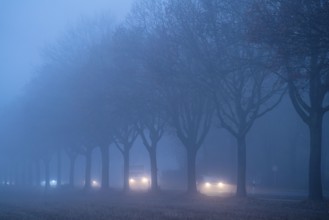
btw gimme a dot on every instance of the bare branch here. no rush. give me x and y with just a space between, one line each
296 104
118 146
325 109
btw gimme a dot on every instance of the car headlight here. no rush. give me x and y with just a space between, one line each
207 185
132 180
220 185
144 180
95 183
53 183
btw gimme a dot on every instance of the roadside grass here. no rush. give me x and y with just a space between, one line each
164 205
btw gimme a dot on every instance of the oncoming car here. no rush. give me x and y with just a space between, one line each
139 183
215 186
138 179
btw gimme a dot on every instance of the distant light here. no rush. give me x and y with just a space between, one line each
94 183
220 185
144 180
43 183
53 183
207 184
132 180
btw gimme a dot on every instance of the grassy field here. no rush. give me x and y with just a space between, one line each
166 205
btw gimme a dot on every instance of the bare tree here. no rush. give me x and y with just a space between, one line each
297 31
191 114
151 128
125 137
170 66
72 153
240 99
231 69
124 140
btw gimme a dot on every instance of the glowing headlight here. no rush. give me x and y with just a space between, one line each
207 184
131 180
220 185
94 183
53 183
144 180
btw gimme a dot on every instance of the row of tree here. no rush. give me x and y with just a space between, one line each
175 66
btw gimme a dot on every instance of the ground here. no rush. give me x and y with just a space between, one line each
166 205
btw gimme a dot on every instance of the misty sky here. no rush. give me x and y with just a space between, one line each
27 26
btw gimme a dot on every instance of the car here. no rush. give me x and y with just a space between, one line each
139 179
210 185
139 182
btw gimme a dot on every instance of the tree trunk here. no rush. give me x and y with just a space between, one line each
105 167
126 170
59 171
16 175
191 171
315 182
24 170
154 170
5 176
47 178
72 162
241 182
37 173
88 169
30 174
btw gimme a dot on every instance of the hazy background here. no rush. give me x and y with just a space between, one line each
26 27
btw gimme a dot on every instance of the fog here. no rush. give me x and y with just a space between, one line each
130 102
28 27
